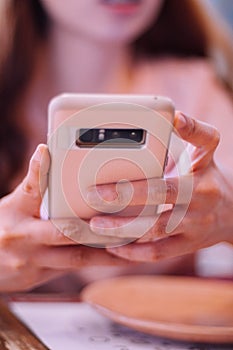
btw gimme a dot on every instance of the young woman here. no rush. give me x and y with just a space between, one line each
136 46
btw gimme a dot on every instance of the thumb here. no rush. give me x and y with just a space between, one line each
28 195
204 137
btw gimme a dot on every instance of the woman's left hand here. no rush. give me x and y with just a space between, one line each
209 215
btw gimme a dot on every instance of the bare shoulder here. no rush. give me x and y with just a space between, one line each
195 88
183 65
192 83
198 91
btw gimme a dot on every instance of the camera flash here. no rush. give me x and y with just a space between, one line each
101 135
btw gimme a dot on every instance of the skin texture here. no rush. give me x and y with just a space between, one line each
32 250
212 193
95 21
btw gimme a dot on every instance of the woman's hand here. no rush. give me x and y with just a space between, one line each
32 250
209 215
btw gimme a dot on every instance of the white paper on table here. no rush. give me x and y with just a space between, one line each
76 326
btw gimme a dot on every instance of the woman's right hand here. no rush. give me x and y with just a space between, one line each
32 250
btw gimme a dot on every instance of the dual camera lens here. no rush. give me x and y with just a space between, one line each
95 136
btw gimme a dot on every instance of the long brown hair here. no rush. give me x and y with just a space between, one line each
183 28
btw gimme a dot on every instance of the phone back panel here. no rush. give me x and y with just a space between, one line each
74 169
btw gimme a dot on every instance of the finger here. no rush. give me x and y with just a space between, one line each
121 227
39 277
79 231
28 280
28 195
56 232
201 135
142 192
45 232
169 247
144 228
198 133
74 257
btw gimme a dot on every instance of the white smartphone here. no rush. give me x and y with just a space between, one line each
96 139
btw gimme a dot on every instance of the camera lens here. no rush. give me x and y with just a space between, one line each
136 135
86 135
133 134
115 134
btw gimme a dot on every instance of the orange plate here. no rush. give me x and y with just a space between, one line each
181 308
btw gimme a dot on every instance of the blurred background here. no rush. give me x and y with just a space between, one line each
218 260
225 7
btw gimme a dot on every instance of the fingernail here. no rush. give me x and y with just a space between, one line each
70 228
95 196
37 154
99 225
92 197
181 122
